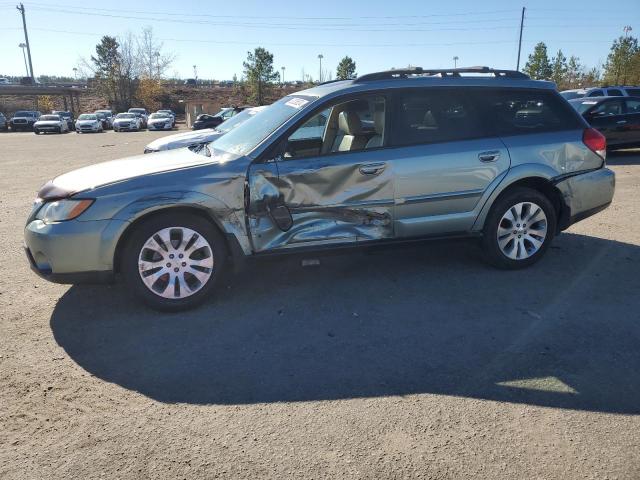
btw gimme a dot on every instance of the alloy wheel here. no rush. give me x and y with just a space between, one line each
175 262
522 230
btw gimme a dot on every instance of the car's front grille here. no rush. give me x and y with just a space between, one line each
19 120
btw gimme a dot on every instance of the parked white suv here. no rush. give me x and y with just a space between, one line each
601 92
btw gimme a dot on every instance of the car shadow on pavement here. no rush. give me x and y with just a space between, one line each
419 319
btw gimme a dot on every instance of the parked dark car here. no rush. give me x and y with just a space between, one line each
4 124
103 120
205 120
24 120
617 118
68 116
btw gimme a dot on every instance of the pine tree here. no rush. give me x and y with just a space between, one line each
538 66
619 67
260 73
346 69
559 69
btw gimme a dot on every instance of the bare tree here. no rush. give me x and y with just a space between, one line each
153 61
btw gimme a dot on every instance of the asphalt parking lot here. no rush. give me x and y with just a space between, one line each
418 361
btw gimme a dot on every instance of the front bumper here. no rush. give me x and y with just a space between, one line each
586 194
87 128
72 251
162 126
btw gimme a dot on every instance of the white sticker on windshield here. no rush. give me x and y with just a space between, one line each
297 102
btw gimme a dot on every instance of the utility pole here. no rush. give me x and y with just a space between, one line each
282 75
455 61
520 41
20 8
320 57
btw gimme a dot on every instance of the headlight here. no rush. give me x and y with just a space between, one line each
62 210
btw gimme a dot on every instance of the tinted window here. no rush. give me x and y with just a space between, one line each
614 92
596 93
435 116
633 106
514 112
633 91
613 107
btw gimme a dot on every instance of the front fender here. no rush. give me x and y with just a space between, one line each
515 174
228 221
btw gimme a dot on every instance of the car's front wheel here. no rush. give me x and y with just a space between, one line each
173 261
519 228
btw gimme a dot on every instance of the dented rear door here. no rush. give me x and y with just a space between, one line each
339 198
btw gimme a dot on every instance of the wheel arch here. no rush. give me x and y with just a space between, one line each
541 181
231 241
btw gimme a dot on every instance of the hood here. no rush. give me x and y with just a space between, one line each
49 122
114 171
86 121
185 139
123 120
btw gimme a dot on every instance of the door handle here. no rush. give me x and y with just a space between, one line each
491 156
621 122
372 168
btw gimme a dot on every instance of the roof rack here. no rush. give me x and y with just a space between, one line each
445 72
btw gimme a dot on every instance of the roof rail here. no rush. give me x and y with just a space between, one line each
444 72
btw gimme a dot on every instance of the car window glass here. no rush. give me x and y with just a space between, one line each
347 126
614 92
312 128
595 93
435 116
633 106
608 108
633 91
515 112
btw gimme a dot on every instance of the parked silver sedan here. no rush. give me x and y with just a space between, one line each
51 124
88 123
127 122
160 121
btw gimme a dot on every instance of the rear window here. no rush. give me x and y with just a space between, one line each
516 112
435 115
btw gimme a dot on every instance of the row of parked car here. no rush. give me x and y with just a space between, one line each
63 121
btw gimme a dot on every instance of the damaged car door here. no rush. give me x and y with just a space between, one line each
329 183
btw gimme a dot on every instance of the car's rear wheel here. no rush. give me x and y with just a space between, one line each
519 228
173 261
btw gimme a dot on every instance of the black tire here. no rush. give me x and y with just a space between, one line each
493 253
144 231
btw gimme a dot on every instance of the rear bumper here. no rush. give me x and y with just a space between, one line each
586 194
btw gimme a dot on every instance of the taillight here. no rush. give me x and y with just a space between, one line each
595 141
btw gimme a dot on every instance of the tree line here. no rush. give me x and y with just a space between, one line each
621 68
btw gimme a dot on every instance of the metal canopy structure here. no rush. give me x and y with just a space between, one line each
70 96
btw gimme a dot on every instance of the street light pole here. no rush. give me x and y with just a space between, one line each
24 56
20 8
282 75
520 39
320 57
455 61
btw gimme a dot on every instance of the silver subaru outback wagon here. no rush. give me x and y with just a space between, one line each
387 157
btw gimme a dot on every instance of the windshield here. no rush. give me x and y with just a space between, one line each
137 110
159 115
582 105
125 115
24 114
104 112
168 112
222 112
86 116
50 117
238 119
572 95
247 136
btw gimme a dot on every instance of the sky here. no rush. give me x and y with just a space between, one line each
216 35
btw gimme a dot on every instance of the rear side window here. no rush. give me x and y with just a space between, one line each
433 116
633 106
516 112
614 92
612 107
633 92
